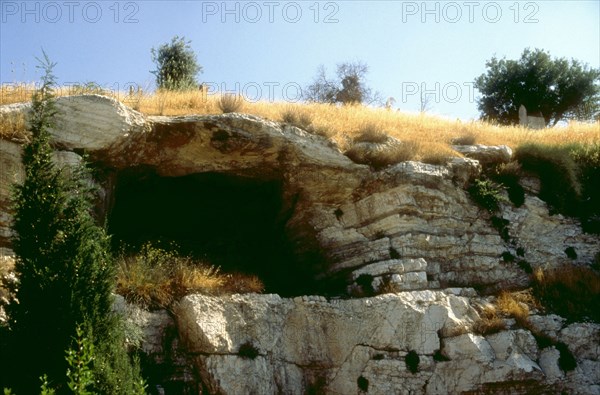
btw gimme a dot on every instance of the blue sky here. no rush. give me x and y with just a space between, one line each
268 49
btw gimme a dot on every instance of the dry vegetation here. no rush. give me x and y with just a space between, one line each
430 136
570 291
155 278
490 321
13 127
516 305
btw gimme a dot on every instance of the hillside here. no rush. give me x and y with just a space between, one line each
444 267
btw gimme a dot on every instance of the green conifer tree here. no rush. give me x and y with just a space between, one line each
65 272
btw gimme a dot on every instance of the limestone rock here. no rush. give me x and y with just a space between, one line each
583 340
397 274
341 214
549 364
486 155
547 324
544 237
411 225
155 336
340 344
344 346
90 122
470 346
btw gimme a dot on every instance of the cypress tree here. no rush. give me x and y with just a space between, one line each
65 272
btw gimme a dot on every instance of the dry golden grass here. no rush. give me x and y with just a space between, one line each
342 124
570 291
515 305
489 322
230 103
156 278
13 127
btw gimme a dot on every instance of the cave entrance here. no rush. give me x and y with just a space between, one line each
234 222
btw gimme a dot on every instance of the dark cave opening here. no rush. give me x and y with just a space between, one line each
234 222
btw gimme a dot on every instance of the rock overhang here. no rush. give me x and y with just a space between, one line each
339 215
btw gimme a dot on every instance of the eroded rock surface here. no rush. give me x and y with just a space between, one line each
411 227
345 346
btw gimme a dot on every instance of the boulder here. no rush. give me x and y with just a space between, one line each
486 155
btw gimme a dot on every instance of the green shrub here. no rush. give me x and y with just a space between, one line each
438 356
248 350
525 266
509 174
569 179
587 158
501 225
362 383
558 173
412 361
64 269
80 375
486 194
566 360
508 257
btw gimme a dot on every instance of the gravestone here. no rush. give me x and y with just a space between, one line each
529 121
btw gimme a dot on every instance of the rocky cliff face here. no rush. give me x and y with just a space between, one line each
411 227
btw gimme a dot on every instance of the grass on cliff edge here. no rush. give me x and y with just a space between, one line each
428 136
155 278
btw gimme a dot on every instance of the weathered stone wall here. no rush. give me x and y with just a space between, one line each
411 225
361 345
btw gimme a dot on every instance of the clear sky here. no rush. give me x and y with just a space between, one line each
268 49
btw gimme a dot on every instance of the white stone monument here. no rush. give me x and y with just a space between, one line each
531 121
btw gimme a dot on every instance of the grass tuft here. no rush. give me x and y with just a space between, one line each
515 305
489 322
155 278
382 155
465 139
13 127
569 291
229 103
371 133
294 117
